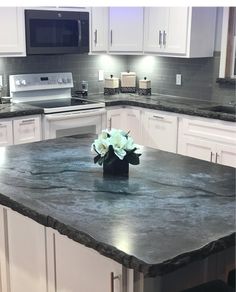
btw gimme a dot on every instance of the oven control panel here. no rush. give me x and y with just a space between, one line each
29 82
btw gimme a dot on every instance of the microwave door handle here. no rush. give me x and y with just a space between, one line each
80 32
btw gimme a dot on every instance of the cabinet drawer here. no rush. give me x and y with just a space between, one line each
160 131
27 130
222 132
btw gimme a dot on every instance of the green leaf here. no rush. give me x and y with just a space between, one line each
96 158
133 158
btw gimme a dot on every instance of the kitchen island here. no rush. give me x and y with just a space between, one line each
172 211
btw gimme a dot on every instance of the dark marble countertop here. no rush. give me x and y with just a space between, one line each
172 210
9 110
169 103
175 104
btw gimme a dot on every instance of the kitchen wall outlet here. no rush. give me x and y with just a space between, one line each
178 79
100 75
1 81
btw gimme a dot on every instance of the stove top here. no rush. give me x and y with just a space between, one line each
65 104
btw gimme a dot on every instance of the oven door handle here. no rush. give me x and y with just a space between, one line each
75 114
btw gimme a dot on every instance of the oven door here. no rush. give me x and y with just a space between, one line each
72 123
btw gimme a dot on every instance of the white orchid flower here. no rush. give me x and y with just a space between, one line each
101 145
129 144
118 142
103 135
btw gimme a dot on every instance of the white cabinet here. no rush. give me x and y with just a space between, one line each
206 139
115 118
166 29
20 130
27 129
23 262
160 130
179 31
127 119
6 133
99 29
12 32
125 29
79 268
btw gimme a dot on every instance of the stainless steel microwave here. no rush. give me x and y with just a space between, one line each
56 32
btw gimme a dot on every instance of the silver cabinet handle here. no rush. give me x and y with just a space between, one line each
211 157
158 117
112 280
80 32
164 38
217 155
96 36
111 36
160 38
110 121
27 121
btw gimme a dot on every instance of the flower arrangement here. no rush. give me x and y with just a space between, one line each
115 145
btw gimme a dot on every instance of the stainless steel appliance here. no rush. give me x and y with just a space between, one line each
56 32
64 115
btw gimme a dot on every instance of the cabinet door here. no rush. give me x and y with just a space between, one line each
126 29
99 29
198 148
175 37
6 134
27 130
115 119
3 259
26 254
226 155
155 23
160 131
132 124
12 32
79 268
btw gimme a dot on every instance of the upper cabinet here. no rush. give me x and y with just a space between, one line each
179 31
99 29
166 30
118 30
12 32
126 29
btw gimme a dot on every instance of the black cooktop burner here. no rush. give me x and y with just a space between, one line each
62 102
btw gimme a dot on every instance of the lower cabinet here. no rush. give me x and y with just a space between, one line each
20 130
23 253
6 133
127 119
160 130
34 258
150 128
79 268
210 140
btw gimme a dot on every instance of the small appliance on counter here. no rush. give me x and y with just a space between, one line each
82 89
128 82
144 87
111 85
5 99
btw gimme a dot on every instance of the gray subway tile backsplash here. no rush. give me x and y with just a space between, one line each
198 75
